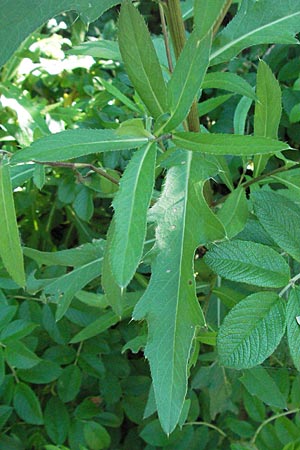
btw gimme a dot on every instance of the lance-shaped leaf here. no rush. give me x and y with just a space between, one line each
131 204
206 14
257 22
22 18
267 111
234 212
227 144
10 245
169 304
74 143
141 61
229 82
280 218
293 327
187 77
251 331
249 262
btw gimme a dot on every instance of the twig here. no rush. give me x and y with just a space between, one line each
292 411
208 425
75 166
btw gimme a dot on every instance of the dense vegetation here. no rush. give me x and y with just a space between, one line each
155 177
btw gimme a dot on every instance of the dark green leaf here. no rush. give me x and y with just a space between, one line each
27 405
140 59
57 420
251 331
19 356
43 373
249 262
96 436
68 383
293 327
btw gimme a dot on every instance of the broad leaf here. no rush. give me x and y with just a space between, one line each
57 420
69 382
257 22
227 144
234 212
43 373
251 331
27 405
170 305
96 435
187 77
267 110
131 204
229 82
22 18
74 143
249 262
258 382
141 61
10 246
206 14
19 356
280 218
293 327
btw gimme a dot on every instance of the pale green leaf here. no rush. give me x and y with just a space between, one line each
206 14
240 115
294 115
227 144
280 218
27 405
184 221
212 103
229 82
293 325
22 18
248 262
257 22
234 212
114 293
187 77
141 61
131 204
258 382
10 245
102 49
74 143
290 178
251 331
267 111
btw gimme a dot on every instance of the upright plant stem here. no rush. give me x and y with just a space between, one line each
177 31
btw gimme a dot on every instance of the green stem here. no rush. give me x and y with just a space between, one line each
290 284
292 411
220 19
208 425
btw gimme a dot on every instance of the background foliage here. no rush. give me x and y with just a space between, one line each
72 368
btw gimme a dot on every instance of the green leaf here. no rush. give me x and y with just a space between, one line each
209 105
102 49
119 95
96 436
141 61
27 405
251 331
2 366
74 143
234 212
290 178
280 218
241 114
22 18
228 82
294 115
267 111
258 382
293 327
227 144
249 262
184 221
187 78
10 246
57 420
19 356
43 373
5 413
131 204
206 14
16 329
68 383
257 22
